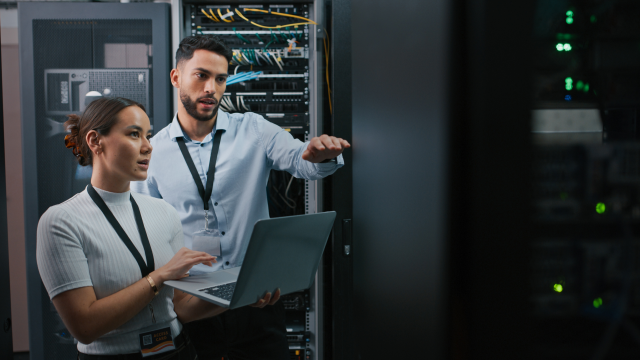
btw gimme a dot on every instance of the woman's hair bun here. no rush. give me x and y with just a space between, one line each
72 140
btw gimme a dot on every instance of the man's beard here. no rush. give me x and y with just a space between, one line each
192 107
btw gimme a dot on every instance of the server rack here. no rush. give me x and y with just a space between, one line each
586 199
70 54
288 93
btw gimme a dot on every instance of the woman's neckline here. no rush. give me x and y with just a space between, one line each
111 198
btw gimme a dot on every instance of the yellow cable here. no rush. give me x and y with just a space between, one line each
282 14
231 17
214 15
221 18
207 15
278 26
326 51
242 16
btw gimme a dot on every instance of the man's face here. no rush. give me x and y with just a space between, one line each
202 81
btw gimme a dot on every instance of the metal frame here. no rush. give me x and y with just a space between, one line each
27 12
6 339
342 299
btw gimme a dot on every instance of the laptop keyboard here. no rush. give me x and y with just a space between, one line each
221 291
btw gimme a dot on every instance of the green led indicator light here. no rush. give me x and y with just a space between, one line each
600 208
586 88
557 288
579 85
559 47
568 83
567 47
569 17
597 303
593 19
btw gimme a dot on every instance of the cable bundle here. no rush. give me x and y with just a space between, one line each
243 76
229 15
257 57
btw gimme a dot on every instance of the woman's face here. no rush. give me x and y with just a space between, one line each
126 151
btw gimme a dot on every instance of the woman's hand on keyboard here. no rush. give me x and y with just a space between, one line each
180 263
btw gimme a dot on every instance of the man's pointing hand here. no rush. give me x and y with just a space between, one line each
324 148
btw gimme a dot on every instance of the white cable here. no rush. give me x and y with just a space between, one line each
274 58
269 55
238 102
268 58
280 56
243 105
262 57
228 103
236 71
287 190
224 105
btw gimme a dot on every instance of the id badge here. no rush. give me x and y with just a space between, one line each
156 342
207 240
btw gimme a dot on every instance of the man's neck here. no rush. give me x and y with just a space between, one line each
195 129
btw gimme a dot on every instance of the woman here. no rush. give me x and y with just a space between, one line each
105 254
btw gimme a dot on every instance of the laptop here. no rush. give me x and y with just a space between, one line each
282 253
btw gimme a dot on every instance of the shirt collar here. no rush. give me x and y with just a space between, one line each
175 130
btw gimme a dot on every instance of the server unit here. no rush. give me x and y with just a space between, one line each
72 54
286 92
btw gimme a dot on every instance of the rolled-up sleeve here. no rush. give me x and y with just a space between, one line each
285 152
59 253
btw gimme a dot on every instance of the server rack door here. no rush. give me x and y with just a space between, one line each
440 179
71 54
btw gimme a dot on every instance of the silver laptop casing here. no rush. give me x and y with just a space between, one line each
283 253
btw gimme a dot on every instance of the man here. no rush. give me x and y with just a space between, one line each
249 147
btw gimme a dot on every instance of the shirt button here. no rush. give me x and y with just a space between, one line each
216 204
223 233
201 144
227 263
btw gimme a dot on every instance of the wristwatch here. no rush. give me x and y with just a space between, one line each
333 161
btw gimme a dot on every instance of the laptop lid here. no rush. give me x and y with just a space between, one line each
282 253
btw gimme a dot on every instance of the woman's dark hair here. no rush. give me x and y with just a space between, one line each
100 116
201 42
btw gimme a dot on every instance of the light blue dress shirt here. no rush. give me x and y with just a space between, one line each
249 148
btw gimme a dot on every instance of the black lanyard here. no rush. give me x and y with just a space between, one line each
204 194
147 268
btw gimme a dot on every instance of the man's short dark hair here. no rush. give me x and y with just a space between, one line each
201 42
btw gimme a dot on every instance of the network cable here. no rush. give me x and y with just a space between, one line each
327 45
243 76
309 21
